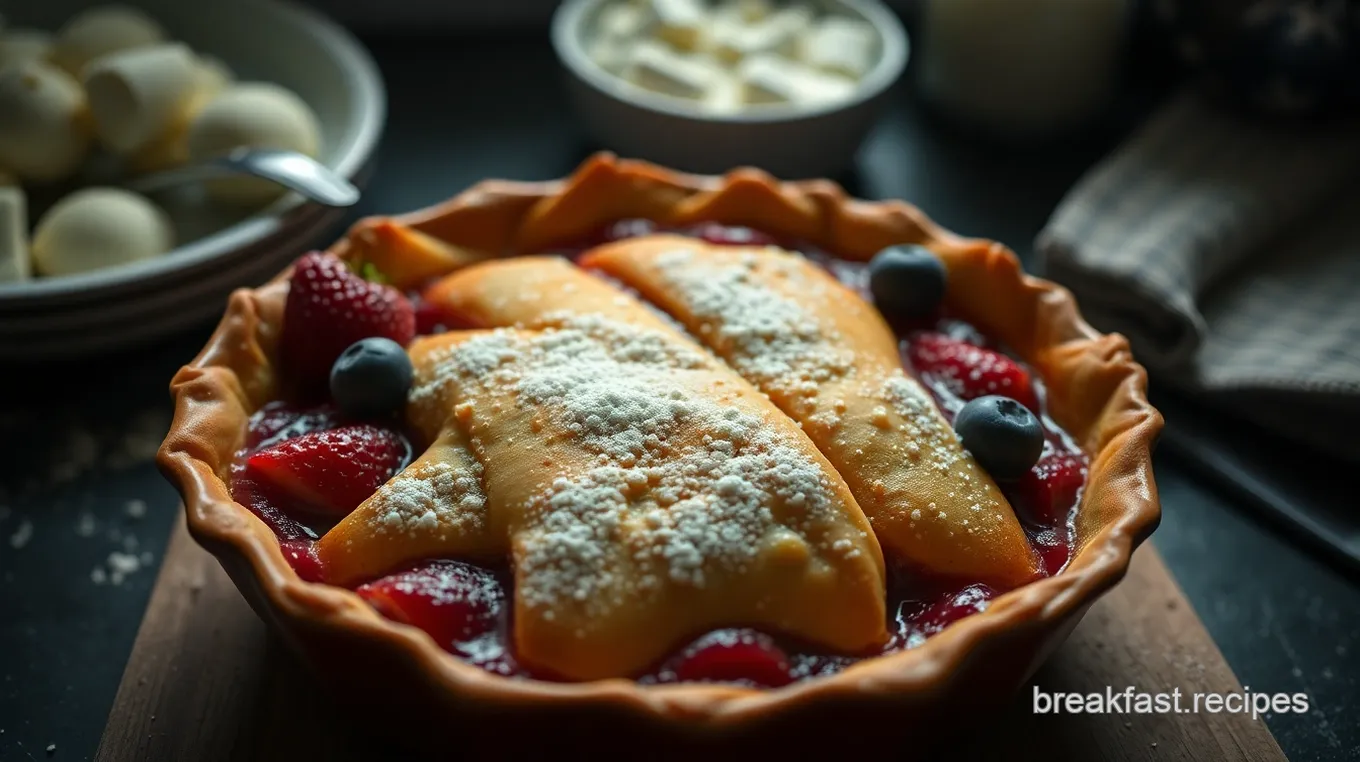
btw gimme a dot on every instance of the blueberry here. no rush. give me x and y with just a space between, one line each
1002 434
371 378
907 282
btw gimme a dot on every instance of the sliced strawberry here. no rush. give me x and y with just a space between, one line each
1047 494
949 608
968 371
733 656
331 471
280 420
330 307
456 603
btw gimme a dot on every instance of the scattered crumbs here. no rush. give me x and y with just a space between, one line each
1327 673
118 567
146 558
1154 744
129 543
21 535
121 565
51 748
1296 672
135 509
86 524
1128 724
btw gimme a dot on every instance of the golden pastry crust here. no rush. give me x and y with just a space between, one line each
831 363
1097 392
706 504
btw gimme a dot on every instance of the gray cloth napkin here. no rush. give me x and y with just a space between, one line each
1228 252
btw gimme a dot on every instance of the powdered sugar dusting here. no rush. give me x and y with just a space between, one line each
934 445
779 345
432 496
683 486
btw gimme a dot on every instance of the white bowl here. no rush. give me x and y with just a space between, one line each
788 141
259 40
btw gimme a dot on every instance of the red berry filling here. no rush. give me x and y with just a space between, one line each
305 465
460 605
941 612
331 471
279 420
730 656
955 368
301 555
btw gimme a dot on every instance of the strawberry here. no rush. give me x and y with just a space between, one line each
456 603
331 471
1048 492
968 371
330 307
732 656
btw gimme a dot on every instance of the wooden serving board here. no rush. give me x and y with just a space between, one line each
206 682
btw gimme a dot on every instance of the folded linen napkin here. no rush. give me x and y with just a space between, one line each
1228 252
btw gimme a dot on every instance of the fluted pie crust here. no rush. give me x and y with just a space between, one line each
1096 392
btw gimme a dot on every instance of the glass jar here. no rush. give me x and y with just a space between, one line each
1021 67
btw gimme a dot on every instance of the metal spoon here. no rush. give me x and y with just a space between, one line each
290 169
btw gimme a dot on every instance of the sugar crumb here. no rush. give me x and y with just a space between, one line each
22 535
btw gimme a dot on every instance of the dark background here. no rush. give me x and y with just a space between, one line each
1286 619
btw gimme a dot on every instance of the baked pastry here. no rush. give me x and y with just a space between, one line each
671 429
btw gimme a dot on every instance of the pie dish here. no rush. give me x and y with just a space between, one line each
663 453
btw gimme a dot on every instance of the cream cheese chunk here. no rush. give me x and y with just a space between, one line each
771 79
732 55
659 69
44 135
96 228
680 22
252 115
138 96
842 46
100 31
14 260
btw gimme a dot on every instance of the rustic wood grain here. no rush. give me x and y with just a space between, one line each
206 682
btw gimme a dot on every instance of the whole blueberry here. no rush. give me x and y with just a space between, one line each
1002 434
371 378
907 282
